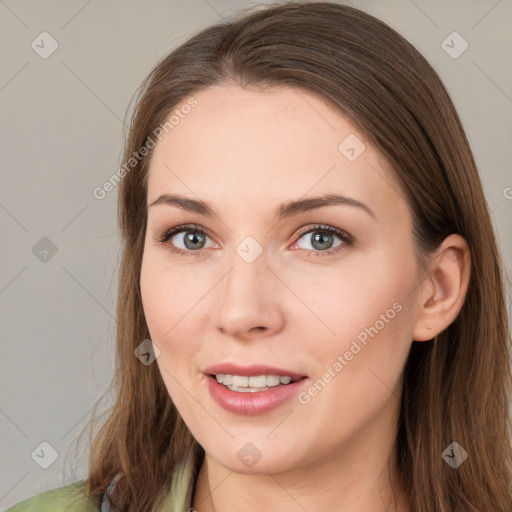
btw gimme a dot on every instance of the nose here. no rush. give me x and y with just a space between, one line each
249 300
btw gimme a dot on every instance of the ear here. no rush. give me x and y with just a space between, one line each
443 292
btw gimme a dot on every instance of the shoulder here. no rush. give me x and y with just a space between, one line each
65 498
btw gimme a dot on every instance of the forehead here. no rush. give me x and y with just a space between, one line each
267 146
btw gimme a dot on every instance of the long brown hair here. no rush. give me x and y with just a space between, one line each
456 385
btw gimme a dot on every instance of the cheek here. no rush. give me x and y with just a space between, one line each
173 310
169 292
340 303
357 372
168 303
362 315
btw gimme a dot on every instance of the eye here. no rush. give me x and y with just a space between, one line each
190 239
322 239
185 239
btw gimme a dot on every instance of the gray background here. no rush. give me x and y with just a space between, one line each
61 136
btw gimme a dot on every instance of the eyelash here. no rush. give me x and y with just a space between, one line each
344 237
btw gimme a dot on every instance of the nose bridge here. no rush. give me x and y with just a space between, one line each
248 273
248 278
247 297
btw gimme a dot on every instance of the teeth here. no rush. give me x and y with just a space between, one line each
273 380
240 381
258 382
253 383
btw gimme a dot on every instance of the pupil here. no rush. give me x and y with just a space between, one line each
326 237
192 238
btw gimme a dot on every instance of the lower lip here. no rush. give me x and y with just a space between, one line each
252 403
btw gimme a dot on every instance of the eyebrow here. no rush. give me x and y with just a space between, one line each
286 209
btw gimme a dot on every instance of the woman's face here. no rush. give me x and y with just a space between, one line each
267 291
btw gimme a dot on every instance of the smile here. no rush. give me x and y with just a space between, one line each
248 400
252 384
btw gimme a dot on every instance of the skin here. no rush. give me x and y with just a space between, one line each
246 151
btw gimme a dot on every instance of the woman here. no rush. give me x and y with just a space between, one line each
311 304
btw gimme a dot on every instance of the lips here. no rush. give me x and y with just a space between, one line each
257 402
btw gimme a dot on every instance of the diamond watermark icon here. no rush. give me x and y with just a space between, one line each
454 455
351 147
249 454
44 250
44 455
44 45
454 45
147 352
249 249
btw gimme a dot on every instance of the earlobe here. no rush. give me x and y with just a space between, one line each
443 293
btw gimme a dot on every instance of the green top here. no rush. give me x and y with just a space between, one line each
73 497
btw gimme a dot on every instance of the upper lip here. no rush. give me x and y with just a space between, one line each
249 371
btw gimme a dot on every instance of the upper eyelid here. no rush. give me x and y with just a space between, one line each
321 227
